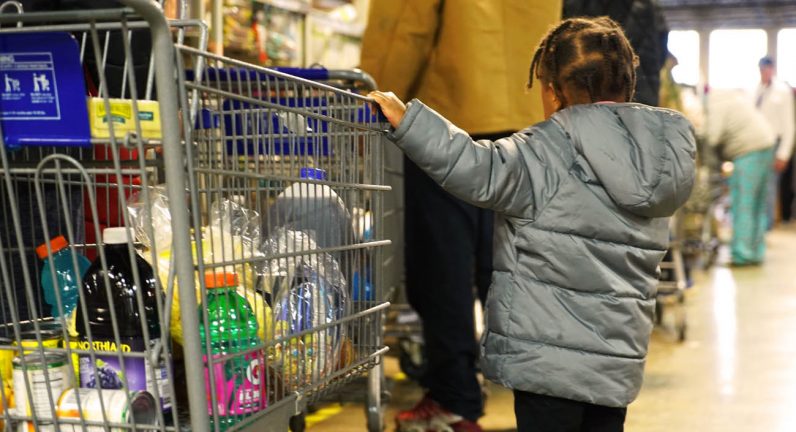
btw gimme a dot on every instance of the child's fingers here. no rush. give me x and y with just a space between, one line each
383 97
377 95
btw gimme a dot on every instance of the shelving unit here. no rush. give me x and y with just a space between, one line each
311 35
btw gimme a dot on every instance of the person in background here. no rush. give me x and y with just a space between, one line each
582 201
787 184
670 92
645 27
468 60
774 99
742 135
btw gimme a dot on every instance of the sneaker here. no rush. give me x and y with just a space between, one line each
466 426
429 416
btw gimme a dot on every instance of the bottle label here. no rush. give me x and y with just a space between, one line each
239 384
107 372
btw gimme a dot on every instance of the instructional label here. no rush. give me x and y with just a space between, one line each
42 91
28 84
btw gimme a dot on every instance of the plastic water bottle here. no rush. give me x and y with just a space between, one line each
107 372
232 327
315 208
65 275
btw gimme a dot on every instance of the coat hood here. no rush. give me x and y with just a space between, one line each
642 156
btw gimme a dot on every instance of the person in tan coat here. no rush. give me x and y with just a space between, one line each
468 60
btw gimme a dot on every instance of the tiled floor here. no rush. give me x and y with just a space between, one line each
735 372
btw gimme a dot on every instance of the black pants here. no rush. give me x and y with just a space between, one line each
786 192
538 413
448 253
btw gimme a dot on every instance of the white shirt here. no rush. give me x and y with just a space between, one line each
776 104
733 124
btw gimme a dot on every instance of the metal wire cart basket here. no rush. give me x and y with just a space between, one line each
188 241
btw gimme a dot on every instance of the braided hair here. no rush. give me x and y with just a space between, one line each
588 59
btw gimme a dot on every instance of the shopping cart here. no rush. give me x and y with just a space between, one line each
195 197
57 180
670 297
704 217
697 235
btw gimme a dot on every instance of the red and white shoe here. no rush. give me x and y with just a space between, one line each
429 416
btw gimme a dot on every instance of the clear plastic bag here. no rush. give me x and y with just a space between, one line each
310 292
233 234
233 218
157 206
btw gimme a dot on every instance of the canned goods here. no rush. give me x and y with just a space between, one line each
140 408
50 338
31 427
43 325
48 376
7 355
30 327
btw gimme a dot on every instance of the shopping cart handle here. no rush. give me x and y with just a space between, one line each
312 74
363 80
242 74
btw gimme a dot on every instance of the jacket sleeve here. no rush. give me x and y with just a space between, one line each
785 149
495 175
398 42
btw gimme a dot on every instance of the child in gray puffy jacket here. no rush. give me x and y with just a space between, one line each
582 201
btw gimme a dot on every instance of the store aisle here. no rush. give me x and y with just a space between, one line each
737 370
735 373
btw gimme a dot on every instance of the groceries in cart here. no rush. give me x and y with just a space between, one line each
312 207
60 277
238 387
310 291
40 377
112 406
106 317
233 234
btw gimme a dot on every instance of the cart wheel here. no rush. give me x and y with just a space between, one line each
298 423
376 420
658 312
682 322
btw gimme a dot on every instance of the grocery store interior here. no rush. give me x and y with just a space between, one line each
234 160
732 373
733 369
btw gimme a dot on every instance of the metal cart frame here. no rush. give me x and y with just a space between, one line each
192 157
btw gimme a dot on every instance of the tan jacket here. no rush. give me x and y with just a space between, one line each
467 59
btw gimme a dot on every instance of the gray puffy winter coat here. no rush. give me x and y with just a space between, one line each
583 203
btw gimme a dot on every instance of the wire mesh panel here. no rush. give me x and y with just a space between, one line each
84 322
100 325
286 183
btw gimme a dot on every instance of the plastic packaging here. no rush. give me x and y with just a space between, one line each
310 291
232 234
315 208
66 278
151 214
107 372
